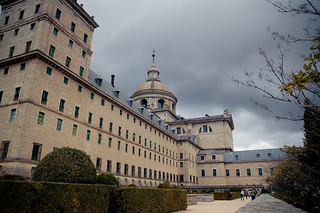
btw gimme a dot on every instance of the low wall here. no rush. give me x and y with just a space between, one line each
194 198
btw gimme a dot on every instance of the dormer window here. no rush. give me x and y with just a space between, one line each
237 157
258 155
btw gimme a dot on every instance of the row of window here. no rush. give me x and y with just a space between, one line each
35 154
16 31
203 129
237 172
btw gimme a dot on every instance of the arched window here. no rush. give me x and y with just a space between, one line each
160 103
210 130
200 130
144 103
205 128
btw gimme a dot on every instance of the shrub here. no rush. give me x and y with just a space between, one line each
66 165
28 196
164 185
107 179
211 191
11 177
175 186
132 185
235 189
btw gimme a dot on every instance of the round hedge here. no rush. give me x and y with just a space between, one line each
66 165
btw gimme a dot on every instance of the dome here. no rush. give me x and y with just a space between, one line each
153 85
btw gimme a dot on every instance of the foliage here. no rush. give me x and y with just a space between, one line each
235 189
151 200
66 165
226 195
28 196
107 179
164 185
132 185
11 177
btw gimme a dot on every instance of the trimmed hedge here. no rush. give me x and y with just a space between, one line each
141 200
225 195
25 196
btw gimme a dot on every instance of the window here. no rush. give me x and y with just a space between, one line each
81 71
23 66
119 131
181 164
66 80
227 173
79 88
202 157
16 94
55 31
51 50
4 149
88 135
49 71
102 102
58 14
110 127
126 148
118 145
73 26
98 164
101 123
133 171
181 155
21 14
36 151
139 171
125 169
89 118
269 155
16 31
248 172
120 111
37 9
109 165
110 141
13 114
70 43
112 107
271 171
40 118
213 157
150 173
44 97
238 172
260 171
85 38
214 172
74 130
61 105
133 137
28 46
83 54
91 96
11 51
6 20
76 111
118 168
1 94
6 71
32 26
127 134
68 60
1 36
203 173
258 155
59 124
237 157
145 172
205 128
128 116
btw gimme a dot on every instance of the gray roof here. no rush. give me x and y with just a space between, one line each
115 94
247 155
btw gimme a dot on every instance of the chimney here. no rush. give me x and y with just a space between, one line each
112 80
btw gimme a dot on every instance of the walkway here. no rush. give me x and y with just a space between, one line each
225 206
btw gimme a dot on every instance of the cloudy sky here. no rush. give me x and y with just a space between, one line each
200 45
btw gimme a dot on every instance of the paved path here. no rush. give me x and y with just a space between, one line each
223 206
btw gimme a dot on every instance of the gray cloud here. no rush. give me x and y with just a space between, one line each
200 46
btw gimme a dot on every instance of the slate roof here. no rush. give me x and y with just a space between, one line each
247 155
114 93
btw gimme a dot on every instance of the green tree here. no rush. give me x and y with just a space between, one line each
66 165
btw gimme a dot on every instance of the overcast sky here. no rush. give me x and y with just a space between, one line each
200 45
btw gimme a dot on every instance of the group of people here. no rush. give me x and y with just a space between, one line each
253 193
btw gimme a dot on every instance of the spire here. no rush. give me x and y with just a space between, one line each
153 73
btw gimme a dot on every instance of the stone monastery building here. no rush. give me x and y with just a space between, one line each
49 98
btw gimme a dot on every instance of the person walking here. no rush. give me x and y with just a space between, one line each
246 193
242 195
253 194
